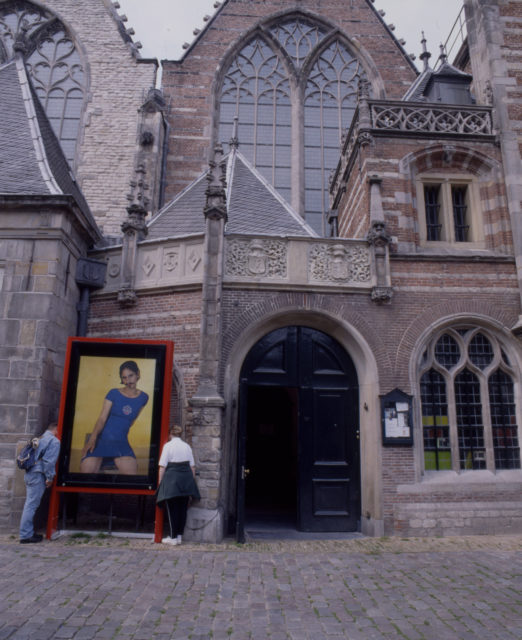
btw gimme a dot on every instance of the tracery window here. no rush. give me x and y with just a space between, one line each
468 403
52 62
293 88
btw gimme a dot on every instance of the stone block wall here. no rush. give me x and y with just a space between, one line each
37 314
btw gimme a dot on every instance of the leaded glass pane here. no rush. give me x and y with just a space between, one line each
297 37
458 196
329 104
52 63
257 90
435 422
503 421
432 207
468 405
480 351
447 351
258 79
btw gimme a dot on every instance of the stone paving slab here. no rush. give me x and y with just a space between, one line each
91 588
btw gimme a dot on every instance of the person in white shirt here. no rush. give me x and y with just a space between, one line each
177 484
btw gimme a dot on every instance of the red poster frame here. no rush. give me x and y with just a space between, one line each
53 516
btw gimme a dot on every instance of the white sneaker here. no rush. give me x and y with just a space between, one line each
169 540
178 540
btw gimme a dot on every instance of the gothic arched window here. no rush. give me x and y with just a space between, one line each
293 89
468 403
52 63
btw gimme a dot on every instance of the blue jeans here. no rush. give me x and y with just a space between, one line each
35 487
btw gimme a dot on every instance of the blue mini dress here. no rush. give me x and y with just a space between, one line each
113 440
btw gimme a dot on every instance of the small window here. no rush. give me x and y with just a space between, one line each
446 212
459 206
469 415
432 206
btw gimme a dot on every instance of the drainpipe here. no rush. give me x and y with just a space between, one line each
90 274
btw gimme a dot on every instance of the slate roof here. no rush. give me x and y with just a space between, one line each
31 158
417 91
254 207
20 172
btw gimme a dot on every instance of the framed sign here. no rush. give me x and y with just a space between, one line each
396 415
114 413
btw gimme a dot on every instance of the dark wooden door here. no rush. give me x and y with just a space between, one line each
328 472
329 483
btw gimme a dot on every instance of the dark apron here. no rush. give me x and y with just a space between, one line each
178 480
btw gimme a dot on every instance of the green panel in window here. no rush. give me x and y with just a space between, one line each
430 461
444 461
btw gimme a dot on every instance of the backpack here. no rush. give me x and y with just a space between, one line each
26 459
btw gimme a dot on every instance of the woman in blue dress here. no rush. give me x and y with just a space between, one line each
109 441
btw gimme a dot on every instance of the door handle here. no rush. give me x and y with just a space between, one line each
244 473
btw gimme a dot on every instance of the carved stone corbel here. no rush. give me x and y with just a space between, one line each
379 240
134 229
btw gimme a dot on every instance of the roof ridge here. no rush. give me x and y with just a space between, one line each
35 131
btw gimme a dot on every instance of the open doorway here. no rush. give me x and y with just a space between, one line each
271 486
298 434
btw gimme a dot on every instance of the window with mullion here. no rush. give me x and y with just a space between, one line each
466 411
309 113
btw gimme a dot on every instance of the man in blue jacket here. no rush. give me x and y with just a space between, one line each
37 479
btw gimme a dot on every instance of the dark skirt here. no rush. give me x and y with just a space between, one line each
177 481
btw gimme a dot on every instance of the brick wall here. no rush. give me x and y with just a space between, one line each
162 316
191 83
117 87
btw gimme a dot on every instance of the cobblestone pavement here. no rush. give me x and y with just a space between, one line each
86 588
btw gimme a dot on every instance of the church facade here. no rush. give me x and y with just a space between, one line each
331 239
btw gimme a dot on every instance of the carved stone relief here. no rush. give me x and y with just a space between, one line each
113 269
194 258
171 260
148 266
256 258
339 263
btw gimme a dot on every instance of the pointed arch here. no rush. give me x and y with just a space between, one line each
291 82
466 374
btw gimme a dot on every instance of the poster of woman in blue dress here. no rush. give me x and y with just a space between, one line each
109 442
111 431
114 406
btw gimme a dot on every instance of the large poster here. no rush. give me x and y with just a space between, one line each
112 412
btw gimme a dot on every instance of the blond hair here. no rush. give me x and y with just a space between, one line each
175 430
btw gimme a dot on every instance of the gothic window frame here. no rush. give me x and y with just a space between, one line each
298 78
438 231
55 64
464 437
